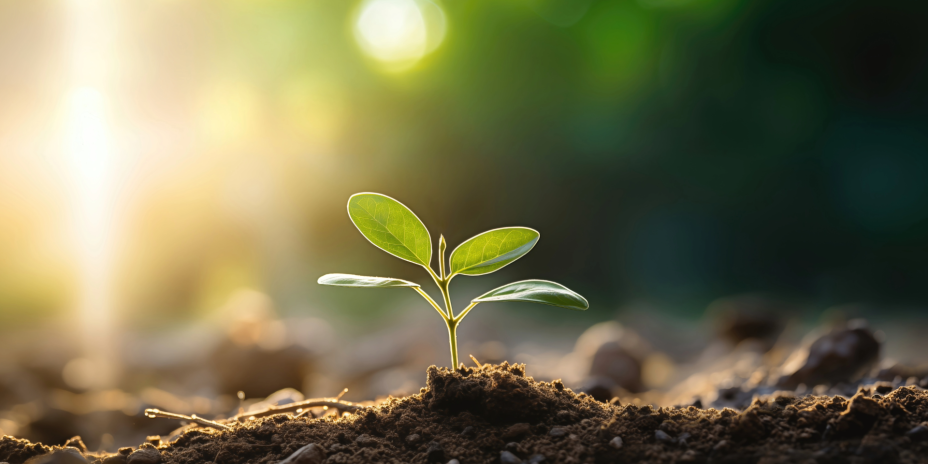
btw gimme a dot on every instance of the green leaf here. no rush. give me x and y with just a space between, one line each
351 280
492 250
536 291
391 226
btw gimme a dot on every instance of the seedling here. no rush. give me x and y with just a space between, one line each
394 228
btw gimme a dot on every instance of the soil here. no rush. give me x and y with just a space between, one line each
496 414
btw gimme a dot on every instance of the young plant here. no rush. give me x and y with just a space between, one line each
394 228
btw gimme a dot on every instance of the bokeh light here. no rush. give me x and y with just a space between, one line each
398 33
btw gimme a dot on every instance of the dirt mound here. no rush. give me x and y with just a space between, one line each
496 414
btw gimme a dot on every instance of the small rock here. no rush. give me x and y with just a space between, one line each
842 355
599 387
468 431
517 430
536 458
557 432
512 447
454 461
435 453
661 435
412 439
505 457
145 456
115 459
309 454
61 456
614 362
828 433
365 440
688 456
697 403
616 443
918 433
682 438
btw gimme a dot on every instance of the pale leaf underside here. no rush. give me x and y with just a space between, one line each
536 291
351 280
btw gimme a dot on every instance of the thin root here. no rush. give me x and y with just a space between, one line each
153 413
304 405
475 360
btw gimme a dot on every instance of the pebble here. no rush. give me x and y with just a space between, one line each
612 361
517 430
505 457
557 432
365 440
536 458
512 446
62 456
435 453
468 431
414 438
309 454
918 433
616 443
145 456
661 435
835 357
599 387
454 461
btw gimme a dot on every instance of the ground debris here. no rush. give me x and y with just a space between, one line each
475 415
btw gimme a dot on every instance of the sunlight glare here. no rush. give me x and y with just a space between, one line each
89 155
398 33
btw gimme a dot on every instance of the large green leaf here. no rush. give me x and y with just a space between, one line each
391 226
536 291
351 280
492 250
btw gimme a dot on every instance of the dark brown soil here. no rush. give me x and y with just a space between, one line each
475 415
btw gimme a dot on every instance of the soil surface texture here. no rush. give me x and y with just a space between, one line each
496 414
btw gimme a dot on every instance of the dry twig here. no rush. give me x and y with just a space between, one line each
153 413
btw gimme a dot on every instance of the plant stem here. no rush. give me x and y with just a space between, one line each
452 335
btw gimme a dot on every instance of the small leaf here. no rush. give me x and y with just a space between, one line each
536 291
492 250
351 280
391 226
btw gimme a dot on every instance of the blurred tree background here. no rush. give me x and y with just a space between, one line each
670 151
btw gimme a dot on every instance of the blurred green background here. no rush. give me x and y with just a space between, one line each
671 151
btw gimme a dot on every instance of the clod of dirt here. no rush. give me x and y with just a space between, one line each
309 454
492 400
749 317
613 363
145 455
842 355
